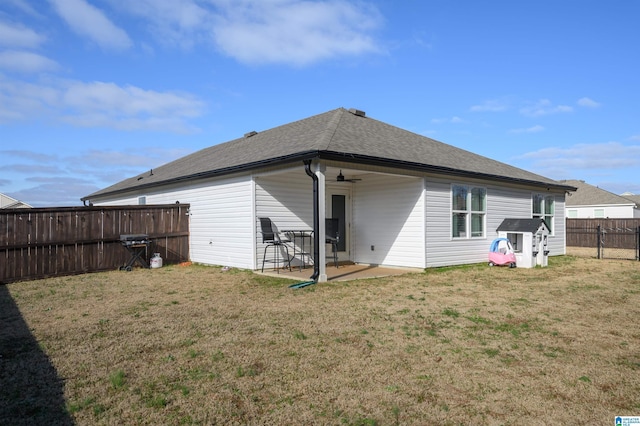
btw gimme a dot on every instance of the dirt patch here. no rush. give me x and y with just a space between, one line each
466 345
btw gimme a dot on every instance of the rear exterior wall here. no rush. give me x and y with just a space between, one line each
221 217
502 202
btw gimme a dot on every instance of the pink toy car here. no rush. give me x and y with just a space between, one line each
501 253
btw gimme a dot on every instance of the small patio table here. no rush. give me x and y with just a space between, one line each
301 236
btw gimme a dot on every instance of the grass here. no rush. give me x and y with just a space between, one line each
194 345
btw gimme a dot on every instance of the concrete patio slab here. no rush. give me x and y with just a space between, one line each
344 272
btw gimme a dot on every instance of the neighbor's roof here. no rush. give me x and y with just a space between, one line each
522 225
7 202
633 197
334 135
589 195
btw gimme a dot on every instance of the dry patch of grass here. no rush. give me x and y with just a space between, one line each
468 345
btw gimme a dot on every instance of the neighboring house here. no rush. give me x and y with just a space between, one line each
7 202
592 202
635 198
403 199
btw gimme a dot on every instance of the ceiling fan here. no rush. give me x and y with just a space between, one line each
341 178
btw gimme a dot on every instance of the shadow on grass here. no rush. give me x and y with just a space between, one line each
31 393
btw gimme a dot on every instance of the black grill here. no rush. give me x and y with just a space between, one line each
134 239
136 245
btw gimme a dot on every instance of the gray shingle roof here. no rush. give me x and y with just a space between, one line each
521 225
589 195
337 134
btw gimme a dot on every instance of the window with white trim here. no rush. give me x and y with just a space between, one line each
544 207
468 211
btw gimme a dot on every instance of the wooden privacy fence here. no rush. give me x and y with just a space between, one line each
44 242
611 238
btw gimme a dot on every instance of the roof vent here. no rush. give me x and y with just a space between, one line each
357 112
251 133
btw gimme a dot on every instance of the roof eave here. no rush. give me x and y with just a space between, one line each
420 167
211 173
335 156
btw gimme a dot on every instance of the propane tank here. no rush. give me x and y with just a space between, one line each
156 261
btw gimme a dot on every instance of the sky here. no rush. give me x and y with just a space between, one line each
96 91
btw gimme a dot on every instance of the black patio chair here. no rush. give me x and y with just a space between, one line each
271 237
332 236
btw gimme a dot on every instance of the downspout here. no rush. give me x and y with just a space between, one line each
316 221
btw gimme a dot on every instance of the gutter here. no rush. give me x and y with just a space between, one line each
316 222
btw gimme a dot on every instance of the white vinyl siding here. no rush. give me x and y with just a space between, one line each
502 203
220 223
287 199
388 214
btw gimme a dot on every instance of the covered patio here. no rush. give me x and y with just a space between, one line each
380 216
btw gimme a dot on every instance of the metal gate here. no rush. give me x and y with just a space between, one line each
618 243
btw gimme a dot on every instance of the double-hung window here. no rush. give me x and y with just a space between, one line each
468 211
544 207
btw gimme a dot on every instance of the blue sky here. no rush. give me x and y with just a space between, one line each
94 91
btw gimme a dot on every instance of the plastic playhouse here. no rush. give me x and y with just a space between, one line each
501 253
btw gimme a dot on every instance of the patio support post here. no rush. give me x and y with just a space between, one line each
322 252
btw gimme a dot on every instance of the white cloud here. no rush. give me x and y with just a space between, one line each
493 105
88 20
533 129
635 138
182 23
128 100
55 191
293 32
28 155
20 100
588 103
452 120
128 159
610 155
23 6
18 36
544 107
26 61
99 104
62 179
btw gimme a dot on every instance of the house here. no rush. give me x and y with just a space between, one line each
402 199
7 202
589 201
